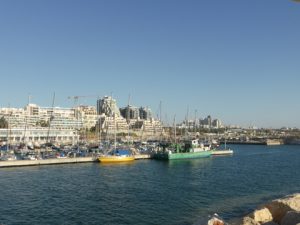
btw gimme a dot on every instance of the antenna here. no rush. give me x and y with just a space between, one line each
195 120
77 97
29 98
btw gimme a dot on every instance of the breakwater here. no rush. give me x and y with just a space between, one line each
282 211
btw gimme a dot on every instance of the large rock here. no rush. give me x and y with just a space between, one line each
249 221
262 215
284 211
270 223
291 218
279 207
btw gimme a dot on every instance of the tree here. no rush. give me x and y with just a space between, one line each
93 129
42 123
3 122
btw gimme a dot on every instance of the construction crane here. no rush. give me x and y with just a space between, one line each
76 97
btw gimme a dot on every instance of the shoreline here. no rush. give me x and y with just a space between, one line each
280 211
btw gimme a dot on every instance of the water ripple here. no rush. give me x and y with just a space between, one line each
149 192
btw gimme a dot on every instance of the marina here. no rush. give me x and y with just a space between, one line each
149 112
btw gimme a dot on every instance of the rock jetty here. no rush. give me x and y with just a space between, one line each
283 211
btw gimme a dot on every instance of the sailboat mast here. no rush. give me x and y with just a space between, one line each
50 118
8 124
195 125
187 121
115 122
26 118
100 130
128 119
175 129
225 138
161 129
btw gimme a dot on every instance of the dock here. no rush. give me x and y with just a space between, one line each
143 156
40 162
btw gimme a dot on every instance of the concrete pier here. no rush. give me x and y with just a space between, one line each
143 156
15 163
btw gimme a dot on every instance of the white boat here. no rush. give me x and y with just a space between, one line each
225 151
273 142
8 157
222 152
30 156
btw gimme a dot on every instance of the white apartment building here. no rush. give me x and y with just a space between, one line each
38 135
34 120
59 118
88 116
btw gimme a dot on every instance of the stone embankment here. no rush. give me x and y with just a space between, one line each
283 211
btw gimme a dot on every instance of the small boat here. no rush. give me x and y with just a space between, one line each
30 156
222 152
186 155
117 155
191 150
273 142
8 157
61 156
225 151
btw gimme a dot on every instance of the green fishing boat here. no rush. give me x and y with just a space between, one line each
189 150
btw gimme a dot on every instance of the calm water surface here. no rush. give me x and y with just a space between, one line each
148 191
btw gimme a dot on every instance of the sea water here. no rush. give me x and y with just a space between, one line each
148 191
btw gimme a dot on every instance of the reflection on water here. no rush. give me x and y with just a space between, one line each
190 163
117 164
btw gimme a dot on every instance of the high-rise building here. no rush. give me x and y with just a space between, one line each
108 106
130 112
145 113
216 123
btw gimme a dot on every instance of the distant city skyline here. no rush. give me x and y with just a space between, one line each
236 61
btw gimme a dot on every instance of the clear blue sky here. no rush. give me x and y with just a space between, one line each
238 61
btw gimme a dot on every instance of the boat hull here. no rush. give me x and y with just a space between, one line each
182 155
115 159
222 152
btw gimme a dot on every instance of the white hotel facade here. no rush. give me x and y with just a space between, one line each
39 125
24 124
